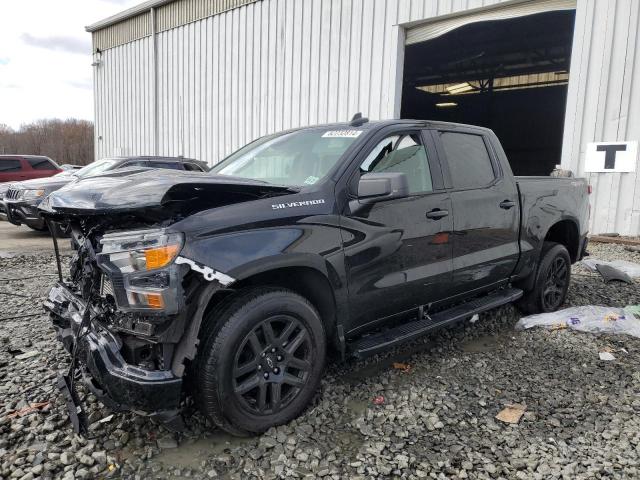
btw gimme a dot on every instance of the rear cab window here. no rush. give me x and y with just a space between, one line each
468 159
10 165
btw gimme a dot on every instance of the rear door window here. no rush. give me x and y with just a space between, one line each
41 163
469 161
10 165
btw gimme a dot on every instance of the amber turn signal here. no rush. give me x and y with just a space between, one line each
161 256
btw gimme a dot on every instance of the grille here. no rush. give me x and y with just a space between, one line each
13 193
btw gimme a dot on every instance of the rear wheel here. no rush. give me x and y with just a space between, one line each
261 360
552 280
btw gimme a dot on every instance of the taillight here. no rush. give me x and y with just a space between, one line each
589 189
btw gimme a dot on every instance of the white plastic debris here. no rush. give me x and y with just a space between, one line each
607 356
475 318
630 268
588 318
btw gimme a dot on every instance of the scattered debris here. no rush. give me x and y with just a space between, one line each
406 368
378 400
475 318
611 274
630 268
106 419
511 413
606 356
24 356
587 318
34 407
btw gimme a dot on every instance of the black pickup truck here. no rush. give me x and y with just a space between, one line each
231 287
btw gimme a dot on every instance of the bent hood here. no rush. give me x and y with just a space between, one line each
138 189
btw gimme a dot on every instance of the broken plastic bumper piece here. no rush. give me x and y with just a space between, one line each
116 383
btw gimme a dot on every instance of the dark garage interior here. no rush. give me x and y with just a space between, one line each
507 75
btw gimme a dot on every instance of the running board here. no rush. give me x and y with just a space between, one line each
374 343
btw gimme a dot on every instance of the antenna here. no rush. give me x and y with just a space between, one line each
358 120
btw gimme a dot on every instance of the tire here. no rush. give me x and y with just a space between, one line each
264 344
553 276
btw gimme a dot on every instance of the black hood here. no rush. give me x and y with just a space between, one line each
138 189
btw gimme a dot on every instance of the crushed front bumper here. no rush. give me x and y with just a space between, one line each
117 384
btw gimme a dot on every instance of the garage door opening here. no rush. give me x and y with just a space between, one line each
508 75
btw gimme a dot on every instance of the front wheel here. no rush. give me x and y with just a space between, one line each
552 280
261 360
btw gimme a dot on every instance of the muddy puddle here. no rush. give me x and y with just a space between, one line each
191 452
485 344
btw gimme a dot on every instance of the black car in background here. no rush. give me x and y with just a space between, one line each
19 204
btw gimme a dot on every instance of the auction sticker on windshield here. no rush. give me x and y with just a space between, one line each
342 134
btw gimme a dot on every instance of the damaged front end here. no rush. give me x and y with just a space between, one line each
125 312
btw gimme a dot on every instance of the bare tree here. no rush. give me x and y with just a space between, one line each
65 141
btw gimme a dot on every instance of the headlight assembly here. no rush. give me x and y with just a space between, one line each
141 262
141 250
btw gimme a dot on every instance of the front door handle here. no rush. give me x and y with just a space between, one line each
436 214
507 204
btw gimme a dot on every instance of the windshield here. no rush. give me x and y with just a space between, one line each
296 158
94 168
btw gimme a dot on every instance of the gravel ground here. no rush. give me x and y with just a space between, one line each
436 420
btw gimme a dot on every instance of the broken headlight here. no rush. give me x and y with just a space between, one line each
141 250
141 263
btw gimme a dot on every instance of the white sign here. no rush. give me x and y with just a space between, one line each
611 157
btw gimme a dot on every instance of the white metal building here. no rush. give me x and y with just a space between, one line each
201 78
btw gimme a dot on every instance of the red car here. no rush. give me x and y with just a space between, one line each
15 168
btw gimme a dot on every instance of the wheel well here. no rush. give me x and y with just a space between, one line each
565 232
305 281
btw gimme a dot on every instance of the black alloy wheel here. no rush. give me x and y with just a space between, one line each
555 285
272 365
551 281
261 356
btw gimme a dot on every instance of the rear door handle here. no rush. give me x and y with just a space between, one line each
507 204
436 214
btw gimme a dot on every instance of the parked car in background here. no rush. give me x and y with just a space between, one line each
21 200
231 286
15 168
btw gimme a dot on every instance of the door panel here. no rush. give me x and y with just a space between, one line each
485 245
486 213
397 258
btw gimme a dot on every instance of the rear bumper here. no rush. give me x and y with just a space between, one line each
20 213
117 384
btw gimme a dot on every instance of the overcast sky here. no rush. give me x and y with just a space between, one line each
45 57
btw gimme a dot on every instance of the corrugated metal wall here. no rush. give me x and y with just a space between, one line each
260 68
275 64
603 104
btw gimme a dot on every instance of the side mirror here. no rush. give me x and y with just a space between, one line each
374 187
